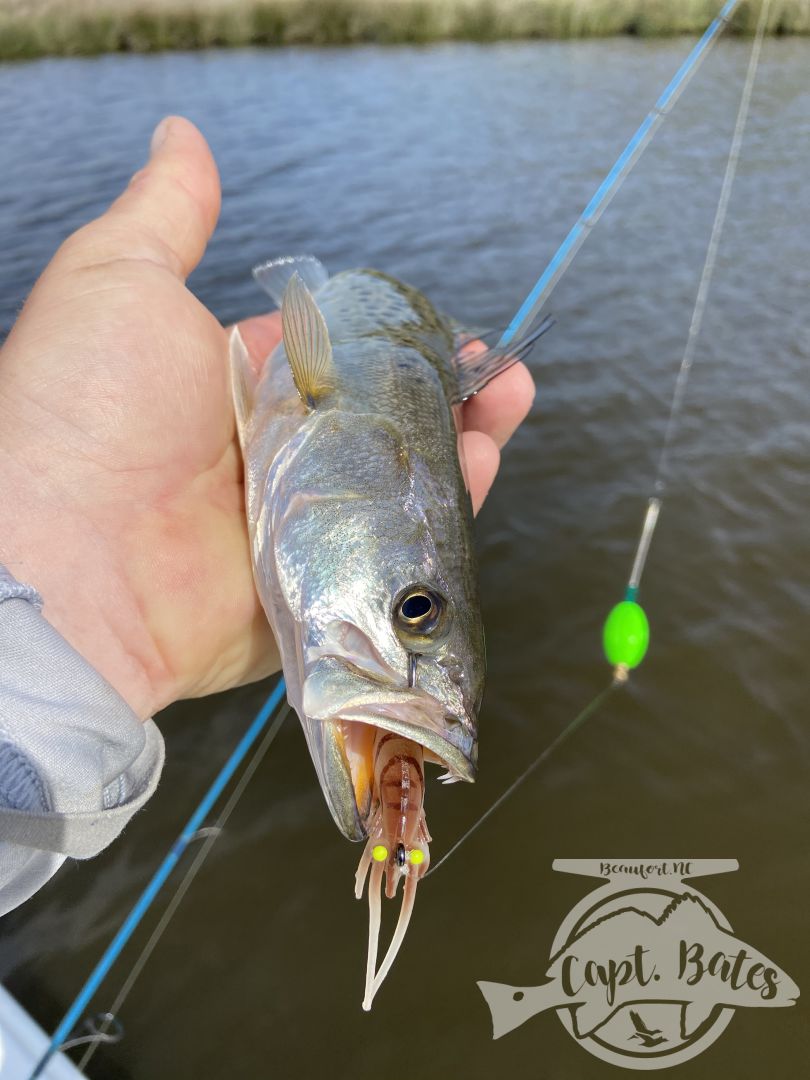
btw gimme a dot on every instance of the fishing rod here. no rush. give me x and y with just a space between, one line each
159 878
631 646
211 834
626 633
620 170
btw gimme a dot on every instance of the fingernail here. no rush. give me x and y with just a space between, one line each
159 136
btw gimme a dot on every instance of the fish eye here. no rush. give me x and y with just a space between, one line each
418 610
379 853
415 607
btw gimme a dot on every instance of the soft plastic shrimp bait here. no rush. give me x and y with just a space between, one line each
397 845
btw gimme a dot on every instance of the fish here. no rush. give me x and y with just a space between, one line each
629 957
360 528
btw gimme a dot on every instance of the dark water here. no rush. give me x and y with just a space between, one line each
459 169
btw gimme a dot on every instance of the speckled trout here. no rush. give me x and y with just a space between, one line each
360 528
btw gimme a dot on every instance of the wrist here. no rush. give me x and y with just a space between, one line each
49 545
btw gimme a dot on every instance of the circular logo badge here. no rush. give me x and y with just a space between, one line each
653 1034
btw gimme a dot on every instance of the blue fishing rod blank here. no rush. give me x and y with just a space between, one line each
561 259
147 897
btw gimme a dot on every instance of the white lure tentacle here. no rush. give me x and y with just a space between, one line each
405 912
374 906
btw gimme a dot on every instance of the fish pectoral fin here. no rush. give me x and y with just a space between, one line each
243 382
306 343
475 370
274 276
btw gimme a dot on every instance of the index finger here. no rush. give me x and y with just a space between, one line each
502 406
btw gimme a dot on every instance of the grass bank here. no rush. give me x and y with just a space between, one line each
31 28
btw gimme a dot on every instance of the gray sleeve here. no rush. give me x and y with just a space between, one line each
75 762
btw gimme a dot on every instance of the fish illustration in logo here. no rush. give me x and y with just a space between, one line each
630 956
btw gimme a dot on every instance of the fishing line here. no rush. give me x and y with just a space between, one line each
619 172
626 631
211 834
73 1015
569 729
655 501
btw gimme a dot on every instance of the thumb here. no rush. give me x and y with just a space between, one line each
170 207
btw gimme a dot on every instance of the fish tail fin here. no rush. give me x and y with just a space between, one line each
274 276
475 370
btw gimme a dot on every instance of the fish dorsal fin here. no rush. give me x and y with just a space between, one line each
243 382
274 276
474 371
307 344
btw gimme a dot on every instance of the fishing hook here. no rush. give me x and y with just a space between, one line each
412 659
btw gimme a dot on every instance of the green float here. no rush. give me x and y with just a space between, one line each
626 635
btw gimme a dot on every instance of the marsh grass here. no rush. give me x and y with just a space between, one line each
31 28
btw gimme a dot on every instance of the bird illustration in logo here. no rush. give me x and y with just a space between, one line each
646 1036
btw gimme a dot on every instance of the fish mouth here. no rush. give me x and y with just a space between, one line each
343 709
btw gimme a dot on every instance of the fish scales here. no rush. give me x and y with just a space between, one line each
380 463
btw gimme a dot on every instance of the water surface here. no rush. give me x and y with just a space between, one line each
459 168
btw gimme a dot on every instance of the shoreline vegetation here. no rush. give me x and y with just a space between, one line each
31 28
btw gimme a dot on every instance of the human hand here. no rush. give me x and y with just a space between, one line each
119 463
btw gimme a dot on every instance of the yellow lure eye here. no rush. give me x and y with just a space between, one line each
379 853
416 856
